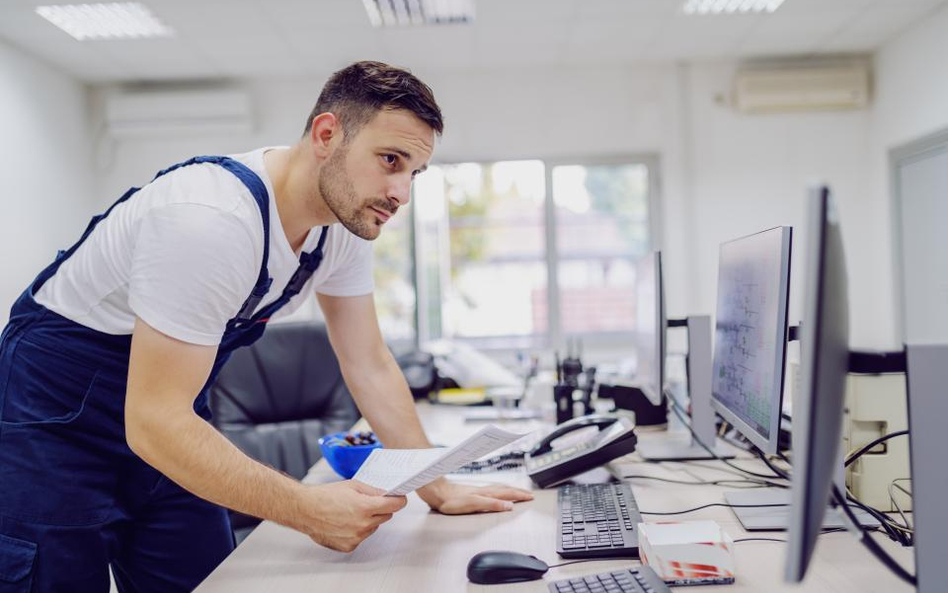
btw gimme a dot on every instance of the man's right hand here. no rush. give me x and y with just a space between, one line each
340 515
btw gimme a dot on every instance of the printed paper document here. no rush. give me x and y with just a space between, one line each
400 471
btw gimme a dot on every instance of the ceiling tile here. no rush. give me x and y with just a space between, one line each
443 46
619 40
703 37
877 25
796 33
260 54
812 7
324 14
225 18
628 8
526 44
491 12
148 59
321 50
36 36
304 37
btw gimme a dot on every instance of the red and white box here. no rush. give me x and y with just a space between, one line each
688 553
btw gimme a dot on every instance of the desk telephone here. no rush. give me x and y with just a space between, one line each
547 466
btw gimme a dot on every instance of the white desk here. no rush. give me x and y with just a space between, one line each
419 550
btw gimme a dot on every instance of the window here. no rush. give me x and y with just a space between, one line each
602 229
483 236
481 251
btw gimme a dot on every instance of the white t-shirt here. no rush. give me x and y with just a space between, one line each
184 253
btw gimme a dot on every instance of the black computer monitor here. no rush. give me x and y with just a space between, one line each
818 404
650 327
750 334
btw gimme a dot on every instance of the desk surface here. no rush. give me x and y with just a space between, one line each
419 550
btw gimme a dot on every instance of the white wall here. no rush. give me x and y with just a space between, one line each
911 102
751 172
44 168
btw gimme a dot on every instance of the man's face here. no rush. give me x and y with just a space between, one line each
366 180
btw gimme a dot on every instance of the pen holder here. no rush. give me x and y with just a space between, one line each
343 457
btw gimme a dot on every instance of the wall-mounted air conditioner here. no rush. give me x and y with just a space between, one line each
802 88
177 112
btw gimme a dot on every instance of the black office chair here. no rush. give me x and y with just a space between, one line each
276 398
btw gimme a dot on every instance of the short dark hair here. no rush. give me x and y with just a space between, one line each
358 92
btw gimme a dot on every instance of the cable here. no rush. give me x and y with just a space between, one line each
717 504
737 506
740 474
871 544
895 484
575 562
780 472
896 481
878 516
676 407
865 449
895 531
756 483
774 539
901 534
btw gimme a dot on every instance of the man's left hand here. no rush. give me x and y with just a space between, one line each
451 498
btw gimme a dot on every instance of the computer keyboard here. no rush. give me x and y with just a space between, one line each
597 521
641 579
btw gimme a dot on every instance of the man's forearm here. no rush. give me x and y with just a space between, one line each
385 400
197 457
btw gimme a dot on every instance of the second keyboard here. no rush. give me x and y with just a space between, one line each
597 521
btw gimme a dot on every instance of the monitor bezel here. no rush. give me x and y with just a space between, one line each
767 445
813 476
655 396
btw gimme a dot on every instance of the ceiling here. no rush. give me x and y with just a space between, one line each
238 38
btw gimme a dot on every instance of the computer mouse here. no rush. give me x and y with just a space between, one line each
495 566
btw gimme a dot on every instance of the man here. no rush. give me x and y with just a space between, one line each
105 453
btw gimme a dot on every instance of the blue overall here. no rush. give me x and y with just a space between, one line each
73 497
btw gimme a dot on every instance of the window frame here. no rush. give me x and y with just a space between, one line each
554 337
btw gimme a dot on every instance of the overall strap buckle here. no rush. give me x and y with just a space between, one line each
309 262
253 301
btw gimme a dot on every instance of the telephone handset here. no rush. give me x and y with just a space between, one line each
547 466
600 420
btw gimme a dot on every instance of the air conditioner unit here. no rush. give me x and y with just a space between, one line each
178 112
799 89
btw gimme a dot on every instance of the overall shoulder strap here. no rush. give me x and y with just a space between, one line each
259 191
309 263
250 179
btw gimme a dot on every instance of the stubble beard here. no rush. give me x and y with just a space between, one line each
337 192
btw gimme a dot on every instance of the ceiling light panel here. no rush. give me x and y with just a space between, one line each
701 7
113 20
400 13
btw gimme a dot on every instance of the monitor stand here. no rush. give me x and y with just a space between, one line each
681 447
777 518
684 446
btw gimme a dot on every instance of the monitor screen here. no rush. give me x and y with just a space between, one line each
650 327
824 356
750 334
